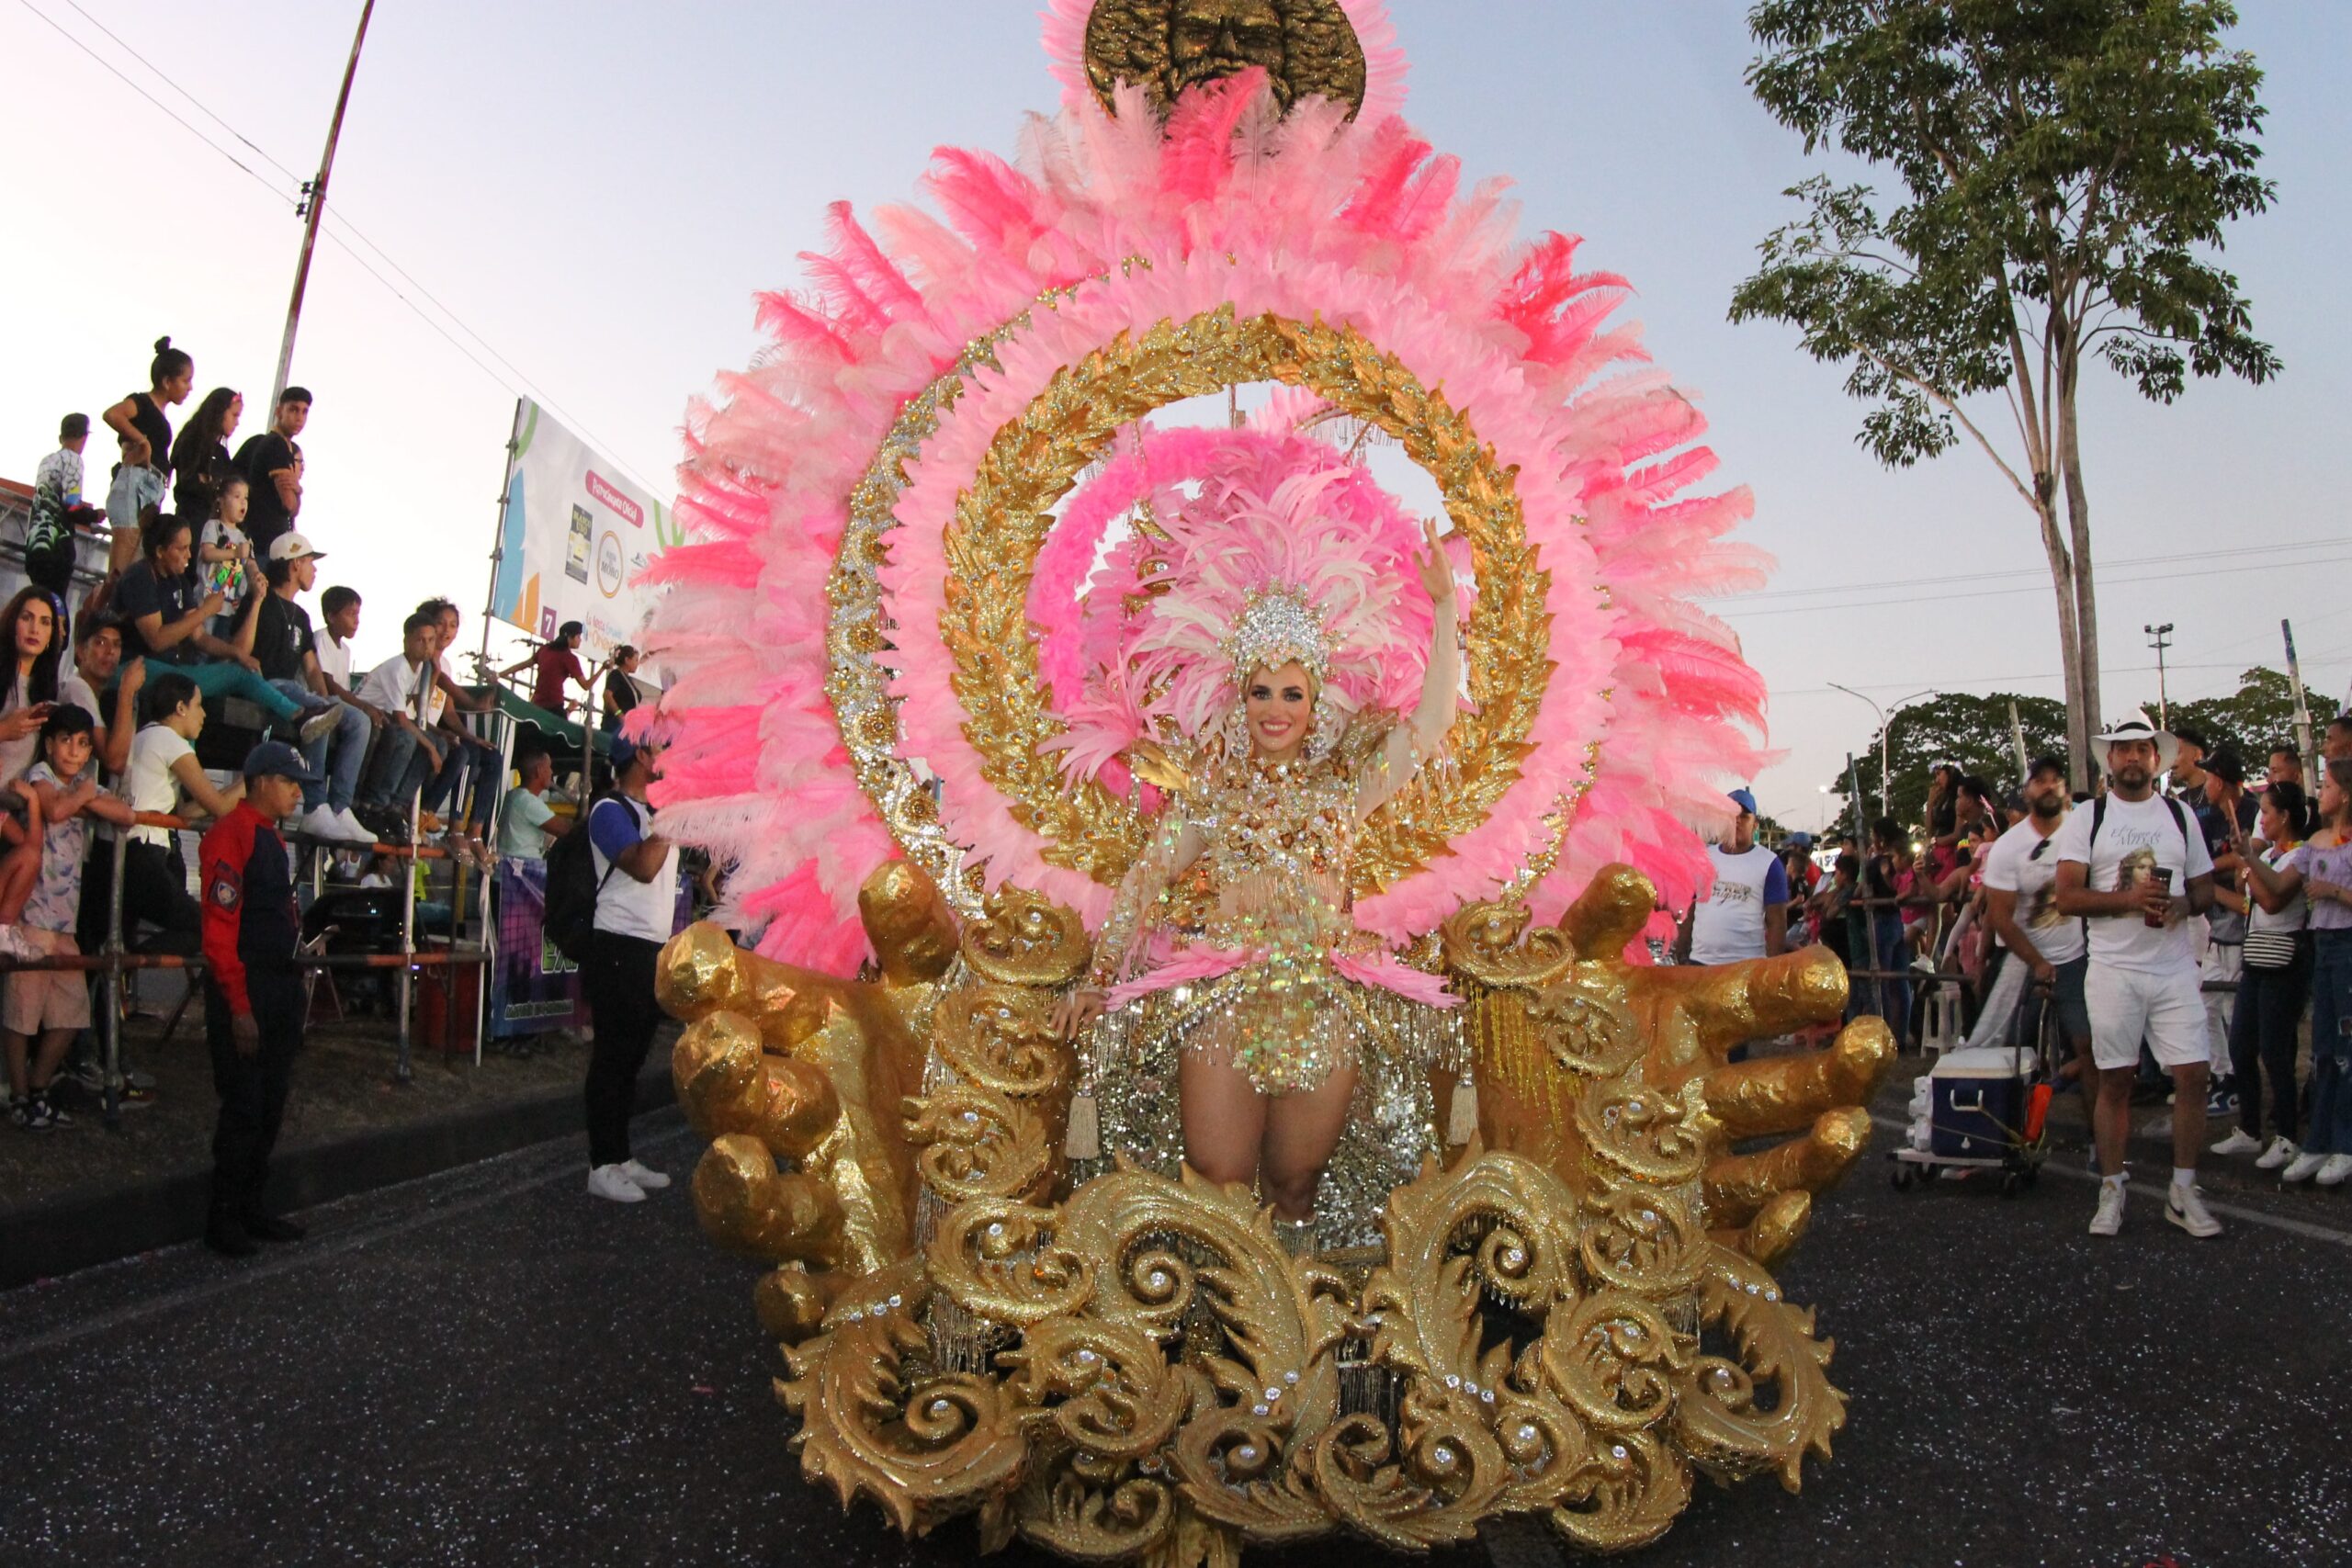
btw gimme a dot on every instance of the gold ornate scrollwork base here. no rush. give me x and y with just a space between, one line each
1572 1321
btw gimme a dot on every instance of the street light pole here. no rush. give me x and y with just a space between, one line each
1886 722
2160 639
1882 769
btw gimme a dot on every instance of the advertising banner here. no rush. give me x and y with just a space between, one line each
534 986
573 539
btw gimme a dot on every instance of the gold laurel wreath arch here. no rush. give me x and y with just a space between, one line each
1003 516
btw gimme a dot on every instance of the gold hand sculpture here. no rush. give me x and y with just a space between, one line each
1551 1014
1136 1370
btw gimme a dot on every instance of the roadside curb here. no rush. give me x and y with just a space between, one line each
63 1234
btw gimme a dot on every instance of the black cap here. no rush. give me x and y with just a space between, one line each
278 758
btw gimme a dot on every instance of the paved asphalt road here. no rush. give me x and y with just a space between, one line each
488 1368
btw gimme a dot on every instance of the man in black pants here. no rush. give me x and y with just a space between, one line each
254 1004
636 903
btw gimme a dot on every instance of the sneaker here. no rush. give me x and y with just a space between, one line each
2110 1218
2333 1173
320 822
353 829
2239 1142
20 1111
611 1181
2222 1099
2282 1149
2185 1206
645 1176
318 725
2302 1167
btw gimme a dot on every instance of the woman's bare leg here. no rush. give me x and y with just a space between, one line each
1301 1132
1225 1117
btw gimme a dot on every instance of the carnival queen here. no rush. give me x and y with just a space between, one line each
1233 937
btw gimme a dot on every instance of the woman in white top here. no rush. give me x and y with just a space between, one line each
2276 982
162 772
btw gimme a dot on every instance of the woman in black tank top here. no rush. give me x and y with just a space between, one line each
141 414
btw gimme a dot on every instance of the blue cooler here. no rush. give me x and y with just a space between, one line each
1977 1102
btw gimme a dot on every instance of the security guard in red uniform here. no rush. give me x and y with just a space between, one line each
253 1005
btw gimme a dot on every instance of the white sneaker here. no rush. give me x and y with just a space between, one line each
2303 1167
2185 1206
320 822
611 1181
645 1176
2239 1142
2334 1172
2282 1149
2110 1218
353 829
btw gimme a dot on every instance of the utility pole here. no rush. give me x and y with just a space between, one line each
314 206
2160 639
2304 751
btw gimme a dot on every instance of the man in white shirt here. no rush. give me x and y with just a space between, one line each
2134 866
2041 946
402 688
1745 914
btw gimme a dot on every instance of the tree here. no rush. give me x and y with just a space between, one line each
2064 165
2260 716
1971 730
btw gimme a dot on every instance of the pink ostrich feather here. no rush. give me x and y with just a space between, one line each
1312 216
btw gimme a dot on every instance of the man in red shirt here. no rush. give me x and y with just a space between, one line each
253 1005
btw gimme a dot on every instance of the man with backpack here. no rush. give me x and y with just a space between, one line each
2135 868
632 884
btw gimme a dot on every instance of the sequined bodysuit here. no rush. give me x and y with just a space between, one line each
1241 911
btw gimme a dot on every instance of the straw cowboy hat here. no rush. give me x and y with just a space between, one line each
2137 726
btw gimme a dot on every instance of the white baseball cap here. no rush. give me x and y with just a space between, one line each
293 547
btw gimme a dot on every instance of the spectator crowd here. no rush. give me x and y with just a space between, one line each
209 597
2183 932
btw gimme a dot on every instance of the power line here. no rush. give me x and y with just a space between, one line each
1955 684
1890 602
262 179
2021 571
165 77
514 375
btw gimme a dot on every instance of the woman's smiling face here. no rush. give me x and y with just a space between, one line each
1279 705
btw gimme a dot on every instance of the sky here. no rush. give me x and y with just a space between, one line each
579 199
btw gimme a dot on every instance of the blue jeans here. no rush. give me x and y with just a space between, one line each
337 754
1883 949
398 772
2330 1129
463 767
218 678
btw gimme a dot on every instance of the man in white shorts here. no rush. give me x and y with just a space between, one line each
2134 866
